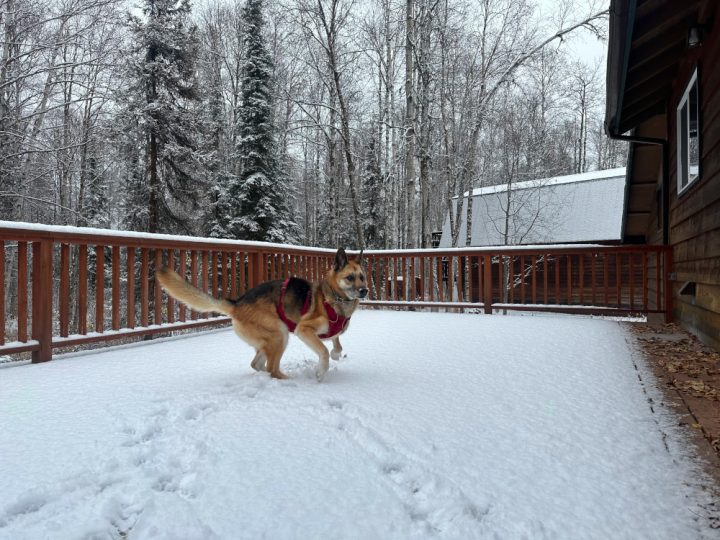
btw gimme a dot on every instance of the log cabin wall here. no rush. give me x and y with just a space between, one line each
655 46
694 214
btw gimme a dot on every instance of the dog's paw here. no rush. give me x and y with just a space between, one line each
320 374
258 365
335 354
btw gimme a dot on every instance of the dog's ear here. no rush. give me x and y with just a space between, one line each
340 259
359 259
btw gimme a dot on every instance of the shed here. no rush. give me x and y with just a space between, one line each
575 208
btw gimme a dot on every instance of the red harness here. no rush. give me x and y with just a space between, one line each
336 323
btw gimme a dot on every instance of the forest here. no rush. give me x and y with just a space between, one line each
313 122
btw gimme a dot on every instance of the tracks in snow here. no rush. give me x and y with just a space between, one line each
160 455
432 502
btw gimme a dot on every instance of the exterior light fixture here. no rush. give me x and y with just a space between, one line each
694 38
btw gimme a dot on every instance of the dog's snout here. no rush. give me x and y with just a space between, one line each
363 292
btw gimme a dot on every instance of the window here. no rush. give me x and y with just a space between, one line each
688 135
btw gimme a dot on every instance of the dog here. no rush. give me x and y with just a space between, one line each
265 315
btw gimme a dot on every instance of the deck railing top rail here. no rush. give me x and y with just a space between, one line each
508 250
11 230
15 230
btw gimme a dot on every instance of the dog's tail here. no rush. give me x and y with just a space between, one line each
181 290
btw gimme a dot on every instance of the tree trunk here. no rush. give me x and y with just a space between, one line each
154 185
409 125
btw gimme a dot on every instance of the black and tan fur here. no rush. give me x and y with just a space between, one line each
255 318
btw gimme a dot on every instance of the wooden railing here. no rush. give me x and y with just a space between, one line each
64 287
89 285
610 280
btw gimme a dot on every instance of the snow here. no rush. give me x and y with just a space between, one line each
553 181
139 329
115 234
29 342
444 252
433 426
111 234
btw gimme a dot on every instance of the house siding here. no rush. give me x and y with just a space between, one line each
694 215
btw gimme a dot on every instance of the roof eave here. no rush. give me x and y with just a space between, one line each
622 18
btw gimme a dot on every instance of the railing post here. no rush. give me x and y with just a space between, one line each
256 260
487 283
261 268
42 300
667 283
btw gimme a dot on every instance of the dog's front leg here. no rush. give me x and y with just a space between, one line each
307 332
337 349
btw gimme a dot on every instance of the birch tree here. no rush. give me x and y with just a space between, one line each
325 24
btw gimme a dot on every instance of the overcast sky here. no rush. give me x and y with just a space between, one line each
582 43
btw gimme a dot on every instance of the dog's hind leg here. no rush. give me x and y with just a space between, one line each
269 341
259 363
337 349
273 350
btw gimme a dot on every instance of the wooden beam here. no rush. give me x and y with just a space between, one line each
641 184
658 22
706 11
662 67
651 91
646 7
673 40
637 115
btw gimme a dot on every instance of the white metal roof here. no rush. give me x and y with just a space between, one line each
585 207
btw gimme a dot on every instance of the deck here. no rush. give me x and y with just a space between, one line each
508 427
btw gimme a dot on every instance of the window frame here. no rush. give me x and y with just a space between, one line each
683 135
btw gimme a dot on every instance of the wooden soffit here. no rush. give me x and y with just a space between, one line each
647 42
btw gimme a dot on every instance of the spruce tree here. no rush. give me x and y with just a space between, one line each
255 205
95 211
162 102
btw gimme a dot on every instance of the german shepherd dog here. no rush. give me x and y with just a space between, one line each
265 315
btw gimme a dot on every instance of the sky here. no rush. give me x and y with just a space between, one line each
582 43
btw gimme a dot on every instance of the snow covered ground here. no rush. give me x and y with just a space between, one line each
435 425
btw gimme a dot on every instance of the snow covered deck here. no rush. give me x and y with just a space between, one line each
506 427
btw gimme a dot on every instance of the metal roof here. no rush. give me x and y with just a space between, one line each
585 207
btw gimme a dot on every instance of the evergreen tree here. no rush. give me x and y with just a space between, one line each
253 205
286 228
216 144
371 196
95 206
135 190
162 98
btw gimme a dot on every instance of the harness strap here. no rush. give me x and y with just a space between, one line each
336 323
281 310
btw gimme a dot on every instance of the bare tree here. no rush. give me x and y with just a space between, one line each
504 48
409 124
324 23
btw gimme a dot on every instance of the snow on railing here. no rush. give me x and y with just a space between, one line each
69 286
